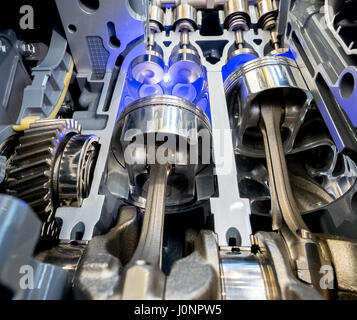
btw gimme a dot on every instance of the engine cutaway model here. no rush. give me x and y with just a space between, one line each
180 150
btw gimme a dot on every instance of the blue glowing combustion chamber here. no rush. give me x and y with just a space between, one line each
195 92
235 62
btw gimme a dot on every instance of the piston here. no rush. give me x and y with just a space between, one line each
249 84
160 129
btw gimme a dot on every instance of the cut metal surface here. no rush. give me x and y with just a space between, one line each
325 63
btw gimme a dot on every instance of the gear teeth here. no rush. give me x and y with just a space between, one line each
50 230
31 167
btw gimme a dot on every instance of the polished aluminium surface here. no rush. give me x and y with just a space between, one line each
242 276
254 81
272 72
159 117
168 100
184 13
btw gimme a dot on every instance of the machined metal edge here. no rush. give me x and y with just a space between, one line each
165 100
234 77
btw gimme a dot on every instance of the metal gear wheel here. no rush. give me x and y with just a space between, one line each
76 169
33 167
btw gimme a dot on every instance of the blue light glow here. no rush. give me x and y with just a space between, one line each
166 78
288 54
150 90
235 62
192 87
185 90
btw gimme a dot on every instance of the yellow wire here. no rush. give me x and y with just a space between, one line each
27 121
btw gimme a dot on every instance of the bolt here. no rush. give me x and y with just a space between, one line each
27 49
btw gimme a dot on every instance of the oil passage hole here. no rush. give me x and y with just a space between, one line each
89 6
347 85
114 42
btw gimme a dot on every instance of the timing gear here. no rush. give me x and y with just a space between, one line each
35 168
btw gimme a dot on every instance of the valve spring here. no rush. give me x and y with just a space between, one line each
238 20
268 21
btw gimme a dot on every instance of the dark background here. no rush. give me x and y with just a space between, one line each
45 17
